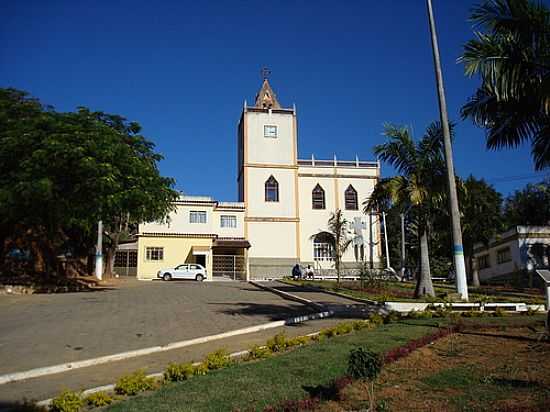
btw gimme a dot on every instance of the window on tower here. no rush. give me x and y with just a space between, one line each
318 197
271 190
351 198
270 131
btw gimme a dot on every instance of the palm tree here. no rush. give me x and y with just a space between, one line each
420 187
338 228
511 55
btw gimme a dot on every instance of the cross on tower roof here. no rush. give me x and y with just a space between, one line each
265 73
266 98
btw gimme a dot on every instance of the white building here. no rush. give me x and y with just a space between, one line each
510 252
283 209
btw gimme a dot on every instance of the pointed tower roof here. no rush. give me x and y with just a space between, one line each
266 97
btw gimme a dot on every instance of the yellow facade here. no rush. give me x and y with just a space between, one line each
176 250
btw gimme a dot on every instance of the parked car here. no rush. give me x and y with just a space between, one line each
185 271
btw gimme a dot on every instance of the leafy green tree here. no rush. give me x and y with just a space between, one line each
529 206
510 55
141 194
338 227
481 207
420 187
62 172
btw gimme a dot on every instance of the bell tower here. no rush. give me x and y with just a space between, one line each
268 182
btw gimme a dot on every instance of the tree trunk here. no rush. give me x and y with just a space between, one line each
337 266
475 272
424 285
110 256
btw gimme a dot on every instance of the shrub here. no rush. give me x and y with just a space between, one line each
472 314
134 383
327 332
360 324
258 352
343 328
440 311
364 364
177 372
420 314
217 360
376 319
200 369
298 341
99 399
277 343
530 312
393 316
67 401
499 312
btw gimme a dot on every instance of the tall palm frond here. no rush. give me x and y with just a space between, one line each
510 55
400 151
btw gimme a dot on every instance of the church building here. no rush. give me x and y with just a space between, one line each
281 217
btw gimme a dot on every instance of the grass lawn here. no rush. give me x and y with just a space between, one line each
491 370
254 385
404 291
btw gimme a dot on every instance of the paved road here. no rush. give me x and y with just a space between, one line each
85 378
44 330
340 305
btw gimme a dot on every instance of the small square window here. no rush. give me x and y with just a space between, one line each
197 217
154 253
504 255
228 221
483 262
270 131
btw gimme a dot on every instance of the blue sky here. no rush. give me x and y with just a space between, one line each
182 69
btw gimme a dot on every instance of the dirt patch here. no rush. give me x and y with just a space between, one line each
488 370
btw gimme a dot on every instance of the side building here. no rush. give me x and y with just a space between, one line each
510 253
198 230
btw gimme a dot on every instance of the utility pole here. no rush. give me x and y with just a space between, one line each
403 257
99 252
458 250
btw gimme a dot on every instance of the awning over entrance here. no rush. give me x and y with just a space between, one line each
233 243
200 250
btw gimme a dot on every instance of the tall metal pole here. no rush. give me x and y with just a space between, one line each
386 240
99 252
371 243
458 250
403 257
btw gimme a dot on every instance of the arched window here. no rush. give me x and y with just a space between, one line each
323 246
271 190
318 197
351 198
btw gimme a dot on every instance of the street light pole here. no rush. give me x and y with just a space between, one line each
458 250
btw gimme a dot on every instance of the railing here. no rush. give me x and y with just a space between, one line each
336 163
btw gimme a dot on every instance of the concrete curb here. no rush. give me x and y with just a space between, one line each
111 387
288 296
341 295
64 367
